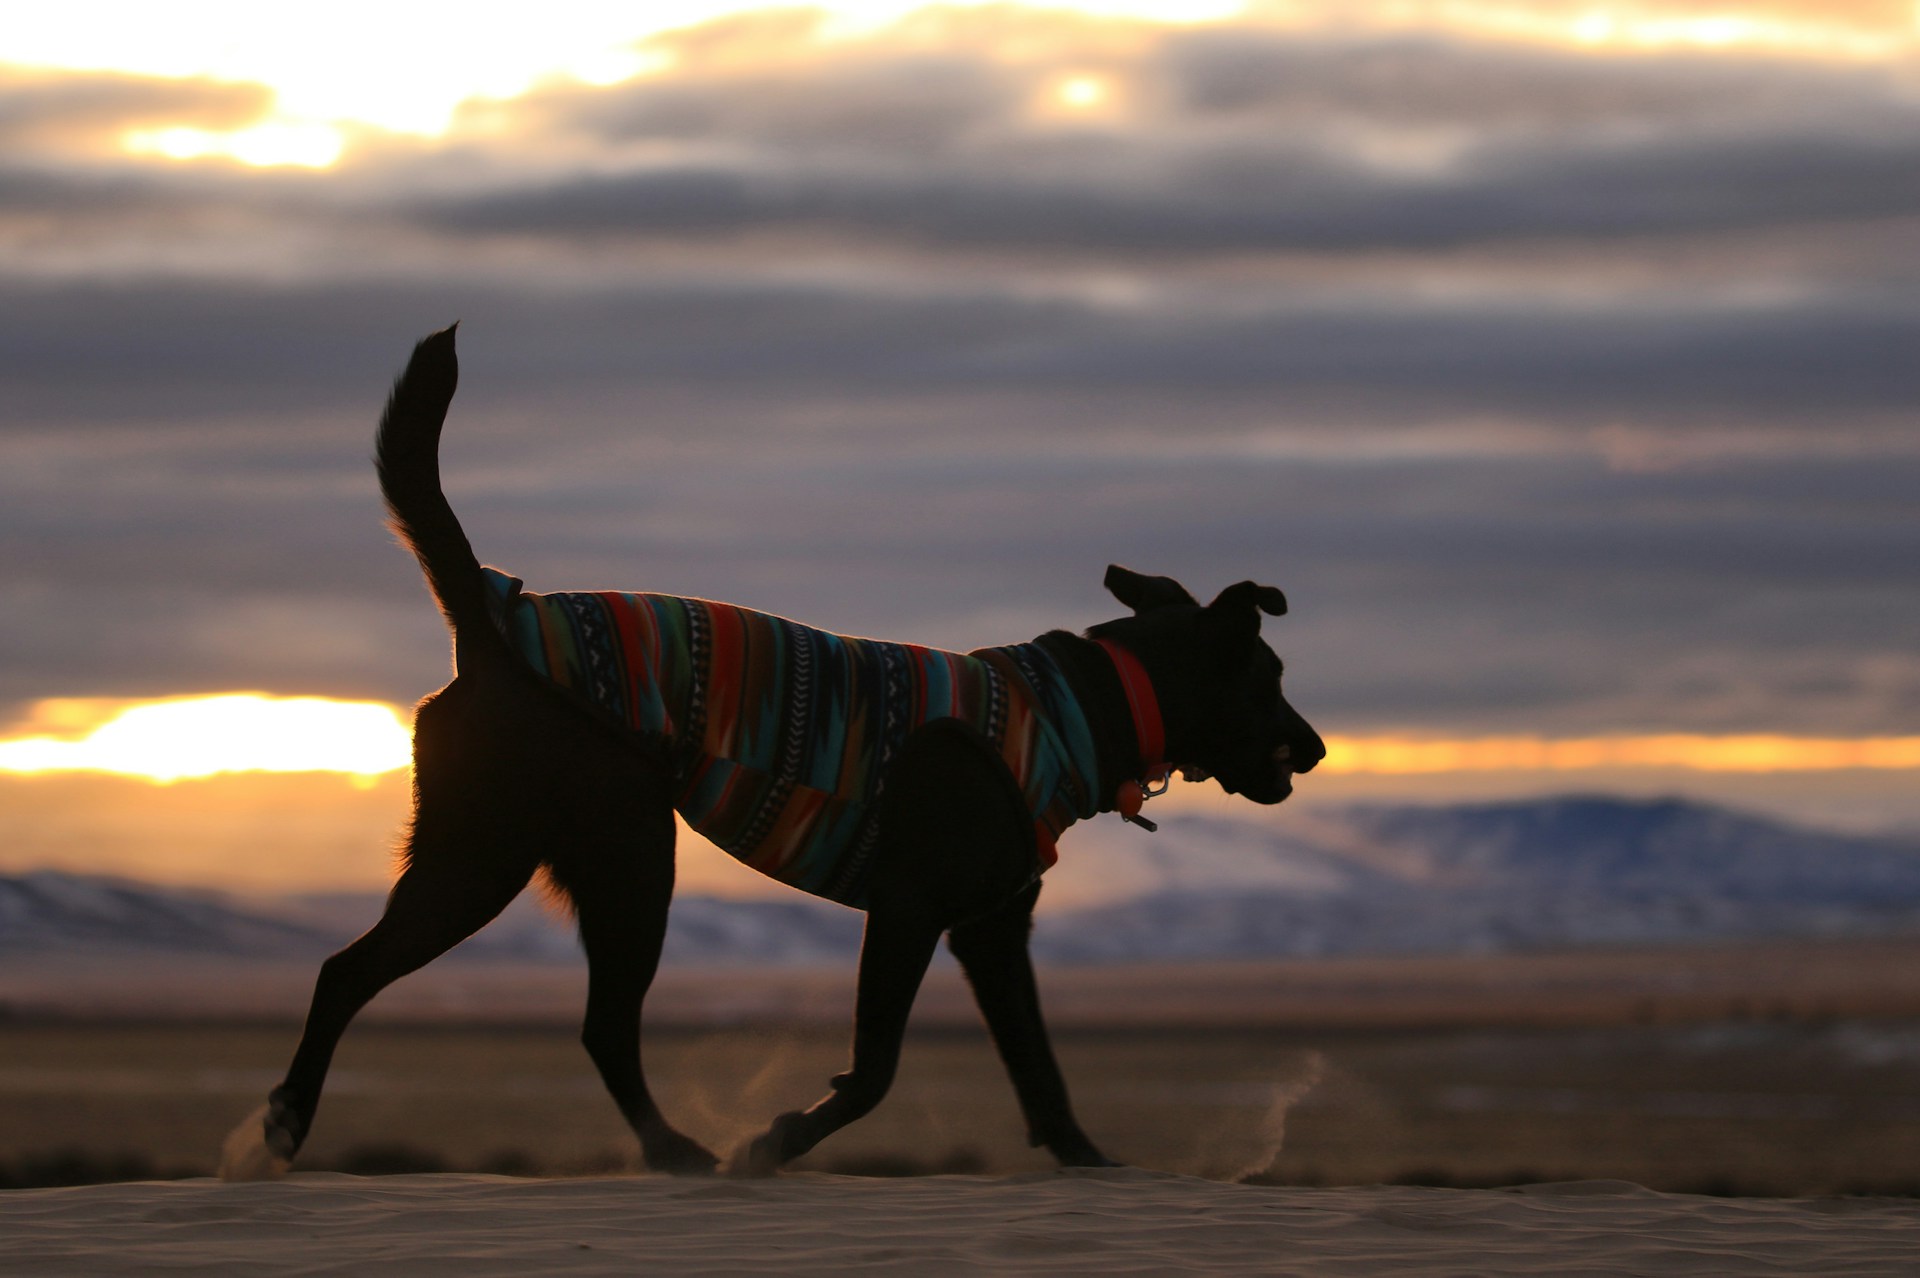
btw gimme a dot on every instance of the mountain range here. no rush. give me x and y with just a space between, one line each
1546 874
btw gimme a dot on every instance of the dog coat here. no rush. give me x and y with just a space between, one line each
778 736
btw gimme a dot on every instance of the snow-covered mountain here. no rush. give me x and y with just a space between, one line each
50 912
1534 875
701 929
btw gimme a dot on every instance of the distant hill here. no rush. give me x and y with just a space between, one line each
1485 878
1537 875
50 912
701 929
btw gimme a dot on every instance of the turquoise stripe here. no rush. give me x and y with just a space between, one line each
937 677
763 648
815 863
834 679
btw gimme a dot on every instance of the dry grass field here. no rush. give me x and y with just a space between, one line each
1755 1107
1779 1069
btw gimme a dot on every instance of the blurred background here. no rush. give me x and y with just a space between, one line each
1556 359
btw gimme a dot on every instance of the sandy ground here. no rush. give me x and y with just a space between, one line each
1108 1222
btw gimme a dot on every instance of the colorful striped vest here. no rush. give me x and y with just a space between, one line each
778 736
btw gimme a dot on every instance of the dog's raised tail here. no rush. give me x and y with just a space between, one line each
406 454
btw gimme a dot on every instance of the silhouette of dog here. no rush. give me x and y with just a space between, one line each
926 787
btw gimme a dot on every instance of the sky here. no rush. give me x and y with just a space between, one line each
1556 359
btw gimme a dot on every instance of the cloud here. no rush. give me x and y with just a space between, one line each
1231 141
1255 197
218 350
54 110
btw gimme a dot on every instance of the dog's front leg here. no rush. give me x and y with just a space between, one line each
894 953
992 950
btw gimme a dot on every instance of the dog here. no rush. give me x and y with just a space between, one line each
924 787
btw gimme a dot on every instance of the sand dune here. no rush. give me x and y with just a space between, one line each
1108 1222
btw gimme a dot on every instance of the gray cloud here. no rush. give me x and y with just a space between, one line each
1502 87
210 349
1237 141
1247 198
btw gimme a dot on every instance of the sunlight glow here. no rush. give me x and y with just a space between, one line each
1081 92
310 146
183 737
1407 756
407 68
174 738
1640 28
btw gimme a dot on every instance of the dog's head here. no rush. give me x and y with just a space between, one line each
1217 681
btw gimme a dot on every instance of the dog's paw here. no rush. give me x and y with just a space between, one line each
758 1158
766 1153
1094 1159
1078 1151
252 1151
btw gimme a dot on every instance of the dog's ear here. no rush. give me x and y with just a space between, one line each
1143 593
1244 596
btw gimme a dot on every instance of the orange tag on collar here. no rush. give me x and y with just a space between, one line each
1128 799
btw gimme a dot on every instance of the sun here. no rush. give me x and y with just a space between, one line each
177 738
1082 92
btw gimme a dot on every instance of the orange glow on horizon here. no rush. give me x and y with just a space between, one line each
1410 756
180 738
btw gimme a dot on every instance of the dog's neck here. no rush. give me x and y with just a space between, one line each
1103 699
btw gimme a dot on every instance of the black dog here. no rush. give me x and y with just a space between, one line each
514 774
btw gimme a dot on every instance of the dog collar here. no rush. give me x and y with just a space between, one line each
1148 731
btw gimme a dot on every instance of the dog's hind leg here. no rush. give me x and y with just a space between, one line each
439 901
992 950
471 849
621 887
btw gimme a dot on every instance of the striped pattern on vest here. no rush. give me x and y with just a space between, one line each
778 735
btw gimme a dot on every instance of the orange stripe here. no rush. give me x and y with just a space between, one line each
630 616
790 832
